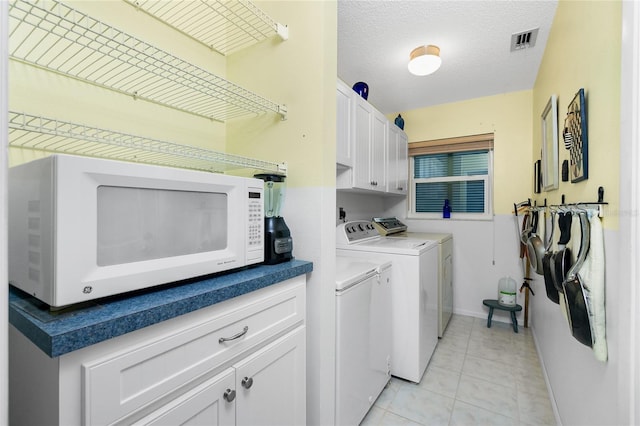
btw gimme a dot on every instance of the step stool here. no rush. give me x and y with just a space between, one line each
493 304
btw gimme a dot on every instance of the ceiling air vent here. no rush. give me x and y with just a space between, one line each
524 40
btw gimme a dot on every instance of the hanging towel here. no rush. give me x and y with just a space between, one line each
592 273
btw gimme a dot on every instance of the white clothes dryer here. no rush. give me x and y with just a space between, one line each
445 273
363 336
414 296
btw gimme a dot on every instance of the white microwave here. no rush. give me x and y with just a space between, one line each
85 228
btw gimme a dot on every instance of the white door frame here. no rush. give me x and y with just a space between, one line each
4 314
629 218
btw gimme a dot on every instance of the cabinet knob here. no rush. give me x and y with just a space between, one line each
247 382
229 395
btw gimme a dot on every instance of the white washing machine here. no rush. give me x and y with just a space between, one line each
445 273
363 335
414 295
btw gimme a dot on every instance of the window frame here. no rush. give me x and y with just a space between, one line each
488 189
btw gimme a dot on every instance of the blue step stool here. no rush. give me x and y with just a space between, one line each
493 304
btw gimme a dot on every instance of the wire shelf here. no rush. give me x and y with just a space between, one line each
224 26
53 36
51 135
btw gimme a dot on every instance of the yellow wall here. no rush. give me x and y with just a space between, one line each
583 51
508 116
306 140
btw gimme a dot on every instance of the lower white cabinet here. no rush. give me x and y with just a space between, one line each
267 388
206 404
242 361
270 385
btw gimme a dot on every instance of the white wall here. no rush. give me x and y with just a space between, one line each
628 301
483 251
359 206
584 389
306 220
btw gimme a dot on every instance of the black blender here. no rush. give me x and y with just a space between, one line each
278 245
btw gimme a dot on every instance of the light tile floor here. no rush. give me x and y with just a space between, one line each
477 376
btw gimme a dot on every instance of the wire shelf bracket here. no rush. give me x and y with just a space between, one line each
224 26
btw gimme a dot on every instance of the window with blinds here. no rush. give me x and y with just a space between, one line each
458 170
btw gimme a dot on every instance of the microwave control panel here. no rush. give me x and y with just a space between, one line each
256 222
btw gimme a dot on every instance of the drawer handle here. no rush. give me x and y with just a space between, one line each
234 337
247 382
229 395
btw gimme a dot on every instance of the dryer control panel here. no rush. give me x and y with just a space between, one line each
388 225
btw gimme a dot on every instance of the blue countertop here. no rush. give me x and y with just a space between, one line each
66 331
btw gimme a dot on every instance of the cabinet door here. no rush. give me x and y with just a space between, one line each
397 161
344 125
210 403
363 126
378 151
271 384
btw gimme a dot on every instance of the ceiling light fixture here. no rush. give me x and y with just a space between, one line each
424 60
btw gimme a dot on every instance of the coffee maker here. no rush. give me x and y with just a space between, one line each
278 245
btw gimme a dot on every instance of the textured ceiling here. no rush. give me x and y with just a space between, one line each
376 37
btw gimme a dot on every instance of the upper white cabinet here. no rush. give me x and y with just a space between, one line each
370 137
344 125
371 152
398 167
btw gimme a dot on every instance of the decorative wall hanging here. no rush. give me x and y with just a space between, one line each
576 138
550 145
537 178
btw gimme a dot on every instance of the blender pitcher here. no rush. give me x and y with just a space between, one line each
278 245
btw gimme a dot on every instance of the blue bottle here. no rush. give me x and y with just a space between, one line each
400 122
446 210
